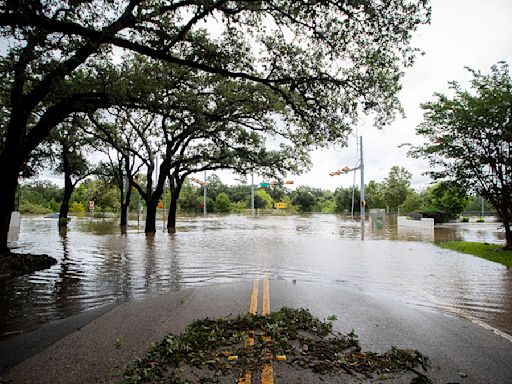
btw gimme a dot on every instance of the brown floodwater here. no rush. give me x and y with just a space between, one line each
98 264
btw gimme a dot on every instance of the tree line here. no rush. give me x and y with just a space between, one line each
394 193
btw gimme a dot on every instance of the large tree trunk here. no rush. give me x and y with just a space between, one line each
507 218
508 236
68 189
64 207
125 203
171 219
7 199
151 205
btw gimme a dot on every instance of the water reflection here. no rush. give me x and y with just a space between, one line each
101 263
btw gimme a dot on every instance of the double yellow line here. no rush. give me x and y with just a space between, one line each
267 372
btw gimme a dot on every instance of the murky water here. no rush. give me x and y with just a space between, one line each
99 265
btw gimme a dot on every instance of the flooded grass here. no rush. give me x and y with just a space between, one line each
214 351
492 252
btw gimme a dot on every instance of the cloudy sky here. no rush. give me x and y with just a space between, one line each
471 33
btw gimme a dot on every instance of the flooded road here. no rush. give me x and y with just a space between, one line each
98 264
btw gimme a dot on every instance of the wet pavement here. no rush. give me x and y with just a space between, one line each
98 351
98 264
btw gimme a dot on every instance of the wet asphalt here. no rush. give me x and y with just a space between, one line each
96 346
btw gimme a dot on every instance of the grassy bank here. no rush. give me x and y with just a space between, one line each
491 252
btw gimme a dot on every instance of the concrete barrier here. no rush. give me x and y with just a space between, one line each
424 223
14 227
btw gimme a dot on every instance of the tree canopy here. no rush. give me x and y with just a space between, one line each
469 139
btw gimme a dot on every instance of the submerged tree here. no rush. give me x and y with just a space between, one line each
70 147
469 139
326 61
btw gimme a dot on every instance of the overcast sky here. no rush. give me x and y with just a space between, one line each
471 33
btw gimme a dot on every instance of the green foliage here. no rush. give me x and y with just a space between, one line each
39 197
189 200
327 206
480 220
204 348
104 194
468 139
239 206
413 202
222 203
447 198
397 186
33 208
76 207
305 198
343 200
465 219
374 195
262 200
493 252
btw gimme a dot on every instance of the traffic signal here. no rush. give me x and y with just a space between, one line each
345 169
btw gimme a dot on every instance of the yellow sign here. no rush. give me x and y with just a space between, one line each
281 205
160 204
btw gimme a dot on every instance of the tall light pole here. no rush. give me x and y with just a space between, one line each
361 167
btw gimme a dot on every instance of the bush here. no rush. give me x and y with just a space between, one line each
439 216
480 220
222 203
76 207
239 206
28 207
465 219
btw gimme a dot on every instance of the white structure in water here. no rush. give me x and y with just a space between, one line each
14 227
425 223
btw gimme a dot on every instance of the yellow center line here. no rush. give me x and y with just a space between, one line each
266 297
253 310
267 372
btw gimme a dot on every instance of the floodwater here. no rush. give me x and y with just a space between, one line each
98 264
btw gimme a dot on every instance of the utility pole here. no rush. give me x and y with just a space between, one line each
204 196
252 195
361 168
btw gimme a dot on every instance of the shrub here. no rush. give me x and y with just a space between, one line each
76 207
480 220
28 207
465 219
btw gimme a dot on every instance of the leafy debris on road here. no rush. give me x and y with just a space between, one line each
204 352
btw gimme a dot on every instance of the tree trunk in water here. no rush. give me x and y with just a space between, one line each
125 203
508 237
151 216
68 190
7 198
171 219
508 233
173 207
